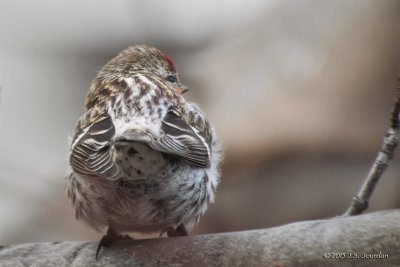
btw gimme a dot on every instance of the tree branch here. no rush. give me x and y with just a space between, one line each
297 244
360 201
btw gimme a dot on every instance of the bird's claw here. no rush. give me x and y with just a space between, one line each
109 239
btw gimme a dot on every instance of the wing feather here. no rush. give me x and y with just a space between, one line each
183 137
91 152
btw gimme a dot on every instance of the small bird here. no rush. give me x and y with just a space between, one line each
142 158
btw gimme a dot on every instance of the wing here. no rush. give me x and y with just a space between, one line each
185 134
91 152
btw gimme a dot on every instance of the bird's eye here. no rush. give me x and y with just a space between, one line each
171 78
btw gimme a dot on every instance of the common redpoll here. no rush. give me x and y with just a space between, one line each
143 159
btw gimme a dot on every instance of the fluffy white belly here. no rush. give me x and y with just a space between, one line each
157 191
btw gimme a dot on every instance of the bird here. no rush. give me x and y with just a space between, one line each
142 158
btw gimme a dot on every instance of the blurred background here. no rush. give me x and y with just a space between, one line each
300 92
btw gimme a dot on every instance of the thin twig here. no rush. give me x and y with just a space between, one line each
360 201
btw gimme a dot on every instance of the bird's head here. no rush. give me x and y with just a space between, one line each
145 59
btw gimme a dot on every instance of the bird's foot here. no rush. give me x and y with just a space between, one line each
111 237
179 231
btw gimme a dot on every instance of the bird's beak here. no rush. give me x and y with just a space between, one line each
183 89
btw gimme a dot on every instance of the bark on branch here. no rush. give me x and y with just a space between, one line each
310 243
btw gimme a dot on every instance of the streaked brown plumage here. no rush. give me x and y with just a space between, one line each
143 159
